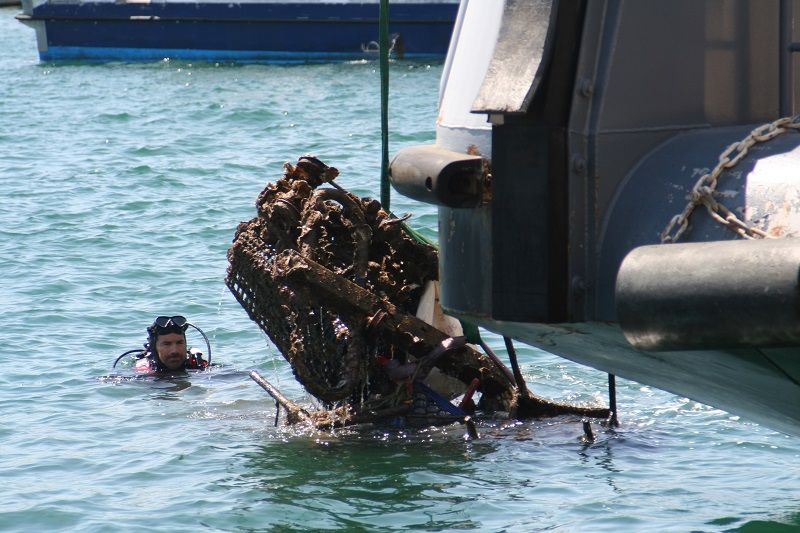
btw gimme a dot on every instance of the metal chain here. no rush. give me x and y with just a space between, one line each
704 190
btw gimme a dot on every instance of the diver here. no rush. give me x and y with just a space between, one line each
166 349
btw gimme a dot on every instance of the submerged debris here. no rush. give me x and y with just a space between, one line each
335 282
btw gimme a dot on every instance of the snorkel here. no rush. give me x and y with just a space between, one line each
163 325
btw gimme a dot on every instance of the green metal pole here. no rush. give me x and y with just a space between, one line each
384 62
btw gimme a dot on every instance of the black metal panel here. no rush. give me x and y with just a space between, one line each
529 168
522 248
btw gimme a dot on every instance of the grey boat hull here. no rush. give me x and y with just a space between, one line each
601 121
762 385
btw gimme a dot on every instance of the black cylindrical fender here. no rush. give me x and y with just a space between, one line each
437 176
718 294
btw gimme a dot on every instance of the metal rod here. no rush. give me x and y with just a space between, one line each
293 411
496 360
512 356
383 34
588 434
472 431
612 400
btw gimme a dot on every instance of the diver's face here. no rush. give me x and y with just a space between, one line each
171 348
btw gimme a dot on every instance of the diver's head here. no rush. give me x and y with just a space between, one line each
167 338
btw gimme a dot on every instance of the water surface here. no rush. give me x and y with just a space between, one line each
121 186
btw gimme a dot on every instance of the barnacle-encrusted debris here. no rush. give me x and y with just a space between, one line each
335 282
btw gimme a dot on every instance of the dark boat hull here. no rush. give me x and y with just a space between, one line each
271 32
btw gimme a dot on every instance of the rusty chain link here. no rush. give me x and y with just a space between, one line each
704 190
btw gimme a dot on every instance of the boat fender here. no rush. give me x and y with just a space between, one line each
711 295
437 176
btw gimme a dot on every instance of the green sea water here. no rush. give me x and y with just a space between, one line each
121 186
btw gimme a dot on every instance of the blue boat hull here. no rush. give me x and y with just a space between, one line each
249 32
